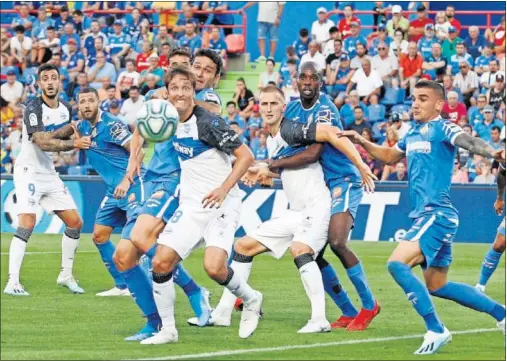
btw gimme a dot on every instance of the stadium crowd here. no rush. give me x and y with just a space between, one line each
370 78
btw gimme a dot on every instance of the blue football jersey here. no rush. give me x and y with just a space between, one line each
164 164
335 164
116 42
430 151
424 46
107 154
208 95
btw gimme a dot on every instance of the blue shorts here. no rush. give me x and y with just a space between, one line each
162 203
435 233
263 29
501 227
345 196
115 212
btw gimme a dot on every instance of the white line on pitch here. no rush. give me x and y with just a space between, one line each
295 347
48 252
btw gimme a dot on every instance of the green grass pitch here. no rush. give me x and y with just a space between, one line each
54 324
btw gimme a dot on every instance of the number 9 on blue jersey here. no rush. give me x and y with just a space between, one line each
157 120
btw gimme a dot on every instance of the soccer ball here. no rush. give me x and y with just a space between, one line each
157 120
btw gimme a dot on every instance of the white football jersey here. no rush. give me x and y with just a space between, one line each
39 117
303 186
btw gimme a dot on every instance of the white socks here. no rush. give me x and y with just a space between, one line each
226 304
16 254
314 287
165 296
238 287
69 247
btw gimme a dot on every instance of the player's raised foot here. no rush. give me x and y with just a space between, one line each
146 332
433 342
15 289
364 318
250 316
70 283
165 335
342 322
200 304
114 292
316 326
480 288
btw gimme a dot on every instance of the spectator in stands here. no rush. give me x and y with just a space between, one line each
417 27
56 60
475 113
219 18
44 49
119 45
435 66
355 37
260 151
399 45
40 25
164 57
128 78
255 121
268 21
68 33
12 90
5 42
217 44
185 17
144 34
190 40
23 18
20 45
495 142
386 65
368 135
131 106
392 137
153 69
81 22
233 115
486 176
483 129
75 86
244 98
398 21
63 19
344 24
115 108
347 110
149 84
6 113
111 96
442 26
100 70
488 79
467 82
449 44
337 79
239 131
320 28
91 59
134 23
459 175
292 93
497 37
454 108
381 37
360 122
481 64
334 34
89 41
410 68
270 75
460 56
400 173
302 43
162 38
425 43
142 62
379 14
102 91
288 73
400 125
315 56
496 94
448 86
361 54
474 43
449 13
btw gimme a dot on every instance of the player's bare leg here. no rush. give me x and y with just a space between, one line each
339 230
26 224
70 242
101 238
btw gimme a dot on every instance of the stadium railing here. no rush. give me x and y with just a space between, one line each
239 12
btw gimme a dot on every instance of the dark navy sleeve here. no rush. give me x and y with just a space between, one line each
33 117
214 131
298 134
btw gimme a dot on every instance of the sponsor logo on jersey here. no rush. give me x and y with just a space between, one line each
419 147
227 137
33 119
119 131
184 150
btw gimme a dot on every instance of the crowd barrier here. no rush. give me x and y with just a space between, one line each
382 216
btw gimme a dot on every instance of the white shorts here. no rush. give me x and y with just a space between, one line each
191 225
309 227
46 190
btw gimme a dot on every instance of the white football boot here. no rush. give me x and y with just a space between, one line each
114 292
70 283
433 342
316 326
15 289
250 316
165 335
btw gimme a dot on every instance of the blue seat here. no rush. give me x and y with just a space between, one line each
376 112
393 96
400 108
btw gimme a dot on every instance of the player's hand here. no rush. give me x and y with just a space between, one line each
215 198
368 178
499 155
122 189
254 173
499 204
354 136
266 182
83 142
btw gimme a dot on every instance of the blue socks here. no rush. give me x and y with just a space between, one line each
489 265
337 292
106 251
470 297
358 278
142 293
417 294
185 281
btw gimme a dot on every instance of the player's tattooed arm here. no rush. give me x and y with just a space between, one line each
478 146
64 132
308 156
48 143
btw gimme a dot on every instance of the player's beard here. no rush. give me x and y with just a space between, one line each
51 96
92 117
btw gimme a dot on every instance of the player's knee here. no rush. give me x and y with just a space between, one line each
339 244
27 221
217 272
246 246
76 223
164 260
100 237
499 245
297 249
